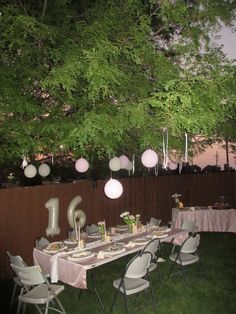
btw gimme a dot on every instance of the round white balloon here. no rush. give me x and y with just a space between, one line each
81 165
113 189
149 158
115 164
44 170
30 171
124 160
130 166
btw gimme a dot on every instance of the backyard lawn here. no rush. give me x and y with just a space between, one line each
213 293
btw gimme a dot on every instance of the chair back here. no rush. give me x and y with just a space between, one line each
152 247
189 225
41 243
137 267
90 229
190 245
154 221
16 260
29 275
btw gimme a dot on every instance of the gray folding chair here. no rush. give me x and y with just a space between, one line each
91 229
153 246
154 222
189 226
186 255
41 243
37 290
16 260
135 279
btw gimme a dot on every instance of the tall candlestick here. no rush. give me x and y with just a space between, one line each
76 231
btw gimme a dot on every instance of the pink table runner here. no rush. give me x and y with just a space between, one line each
208 219
75 273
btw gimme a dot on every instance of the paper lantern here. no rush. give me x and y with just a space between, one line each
172 165
149 158
44 170
30 171
81 165
130 166
124 160
115 164
113 189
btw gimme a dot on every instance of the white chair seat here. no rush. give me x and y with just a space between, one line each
39 294
152 267
132 286
184 258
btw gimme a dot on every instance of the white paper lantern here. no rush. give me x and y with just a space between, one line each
115 164
30 171
124 160
172 165
113 189
44 170
130 166
149 158
81 165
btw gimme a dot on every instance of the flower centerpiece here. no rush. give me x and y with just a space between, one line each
128 219
177 201
102 230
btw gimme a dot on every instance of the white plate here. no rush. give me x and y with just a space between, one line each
114 248
55 247
160 236
76 257
69 241
96 235
141 241
114 252
122 227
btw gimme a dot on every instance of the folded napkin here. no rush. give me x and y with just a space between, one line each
54 263
100 255
160 260
130 244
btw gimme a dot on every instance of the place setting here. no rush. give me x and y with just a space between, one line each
55 247
80 256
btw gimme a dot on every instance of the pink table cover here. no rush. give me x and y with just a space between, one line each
208 219
75 273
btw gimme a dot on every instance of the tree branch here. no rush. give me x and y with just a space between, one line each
44 8
26 13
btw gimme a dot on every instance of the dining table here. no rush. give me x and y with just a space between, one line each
207 218
71 264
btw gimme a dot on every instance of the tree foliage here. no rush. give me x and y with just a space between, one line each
98 78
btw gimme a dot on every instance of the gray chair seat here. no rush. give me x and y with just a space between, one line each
131 286
184 258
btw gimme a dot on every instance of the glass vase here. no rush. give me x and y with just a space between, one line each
103 237
130 228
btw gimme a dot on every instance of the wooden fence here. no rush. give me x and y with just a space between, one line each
24 216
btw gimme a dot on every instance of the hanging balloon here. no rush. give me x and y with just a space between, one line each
172 165
149 158
113 189
115 164
81 165
44 170
124 161
30 171
130 166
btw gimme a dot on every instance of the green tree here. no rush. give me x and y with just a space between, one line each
98 78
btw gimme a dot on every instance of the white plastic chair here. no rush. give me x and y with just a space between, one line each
16 260
154 222
91 229
135 278
37 290
41 243
187 254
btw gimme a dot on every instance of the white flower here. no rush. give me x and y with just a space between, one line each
124 214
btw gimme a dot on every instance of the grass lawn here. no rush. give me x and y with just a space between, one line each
215 293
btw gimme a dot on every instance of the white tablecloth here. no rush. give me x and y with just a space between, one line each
218 220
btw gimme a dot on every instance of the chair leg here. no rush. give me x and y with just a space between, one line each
113 301
60 305
126 303
182 271
13 295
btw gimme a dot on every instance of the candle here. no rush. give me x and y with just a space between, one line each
79 234
76 231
